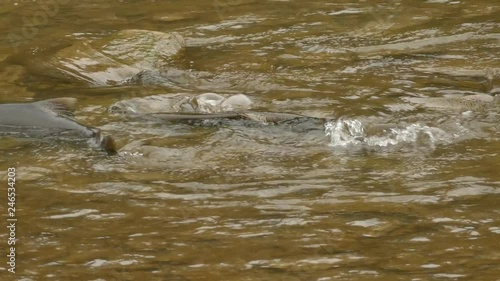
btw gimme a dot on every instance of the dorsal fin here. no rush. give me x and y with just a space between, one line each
106 142
109 145
61 106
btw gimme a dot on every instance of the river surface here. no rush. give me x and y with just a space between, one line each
387 190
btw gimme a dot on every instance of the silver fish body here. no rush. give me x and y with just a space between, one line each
48 118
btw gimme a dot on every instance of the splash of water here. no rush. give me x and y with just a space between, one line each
349 132
344 132
414 133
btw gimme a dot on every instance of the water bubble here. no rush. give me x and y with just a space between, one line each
344 132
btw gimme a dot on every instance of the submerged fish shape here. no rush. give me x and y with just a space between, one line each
207 106
477 102
48 118
265 117
203 103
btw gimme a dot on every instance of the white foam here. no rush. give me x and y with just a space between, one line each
351 132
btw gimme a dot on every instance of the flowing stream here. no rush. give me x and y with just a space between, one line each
401 182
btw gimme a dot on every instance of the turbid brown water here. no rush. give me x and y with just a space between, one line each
389 190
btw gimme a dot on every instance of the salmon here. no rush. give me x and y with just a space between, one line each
266 117
48 118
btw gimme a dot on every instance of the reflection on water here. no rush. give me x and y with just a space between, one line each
399 183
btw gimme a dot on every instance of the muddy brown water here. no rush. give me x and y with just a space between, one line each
417 199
